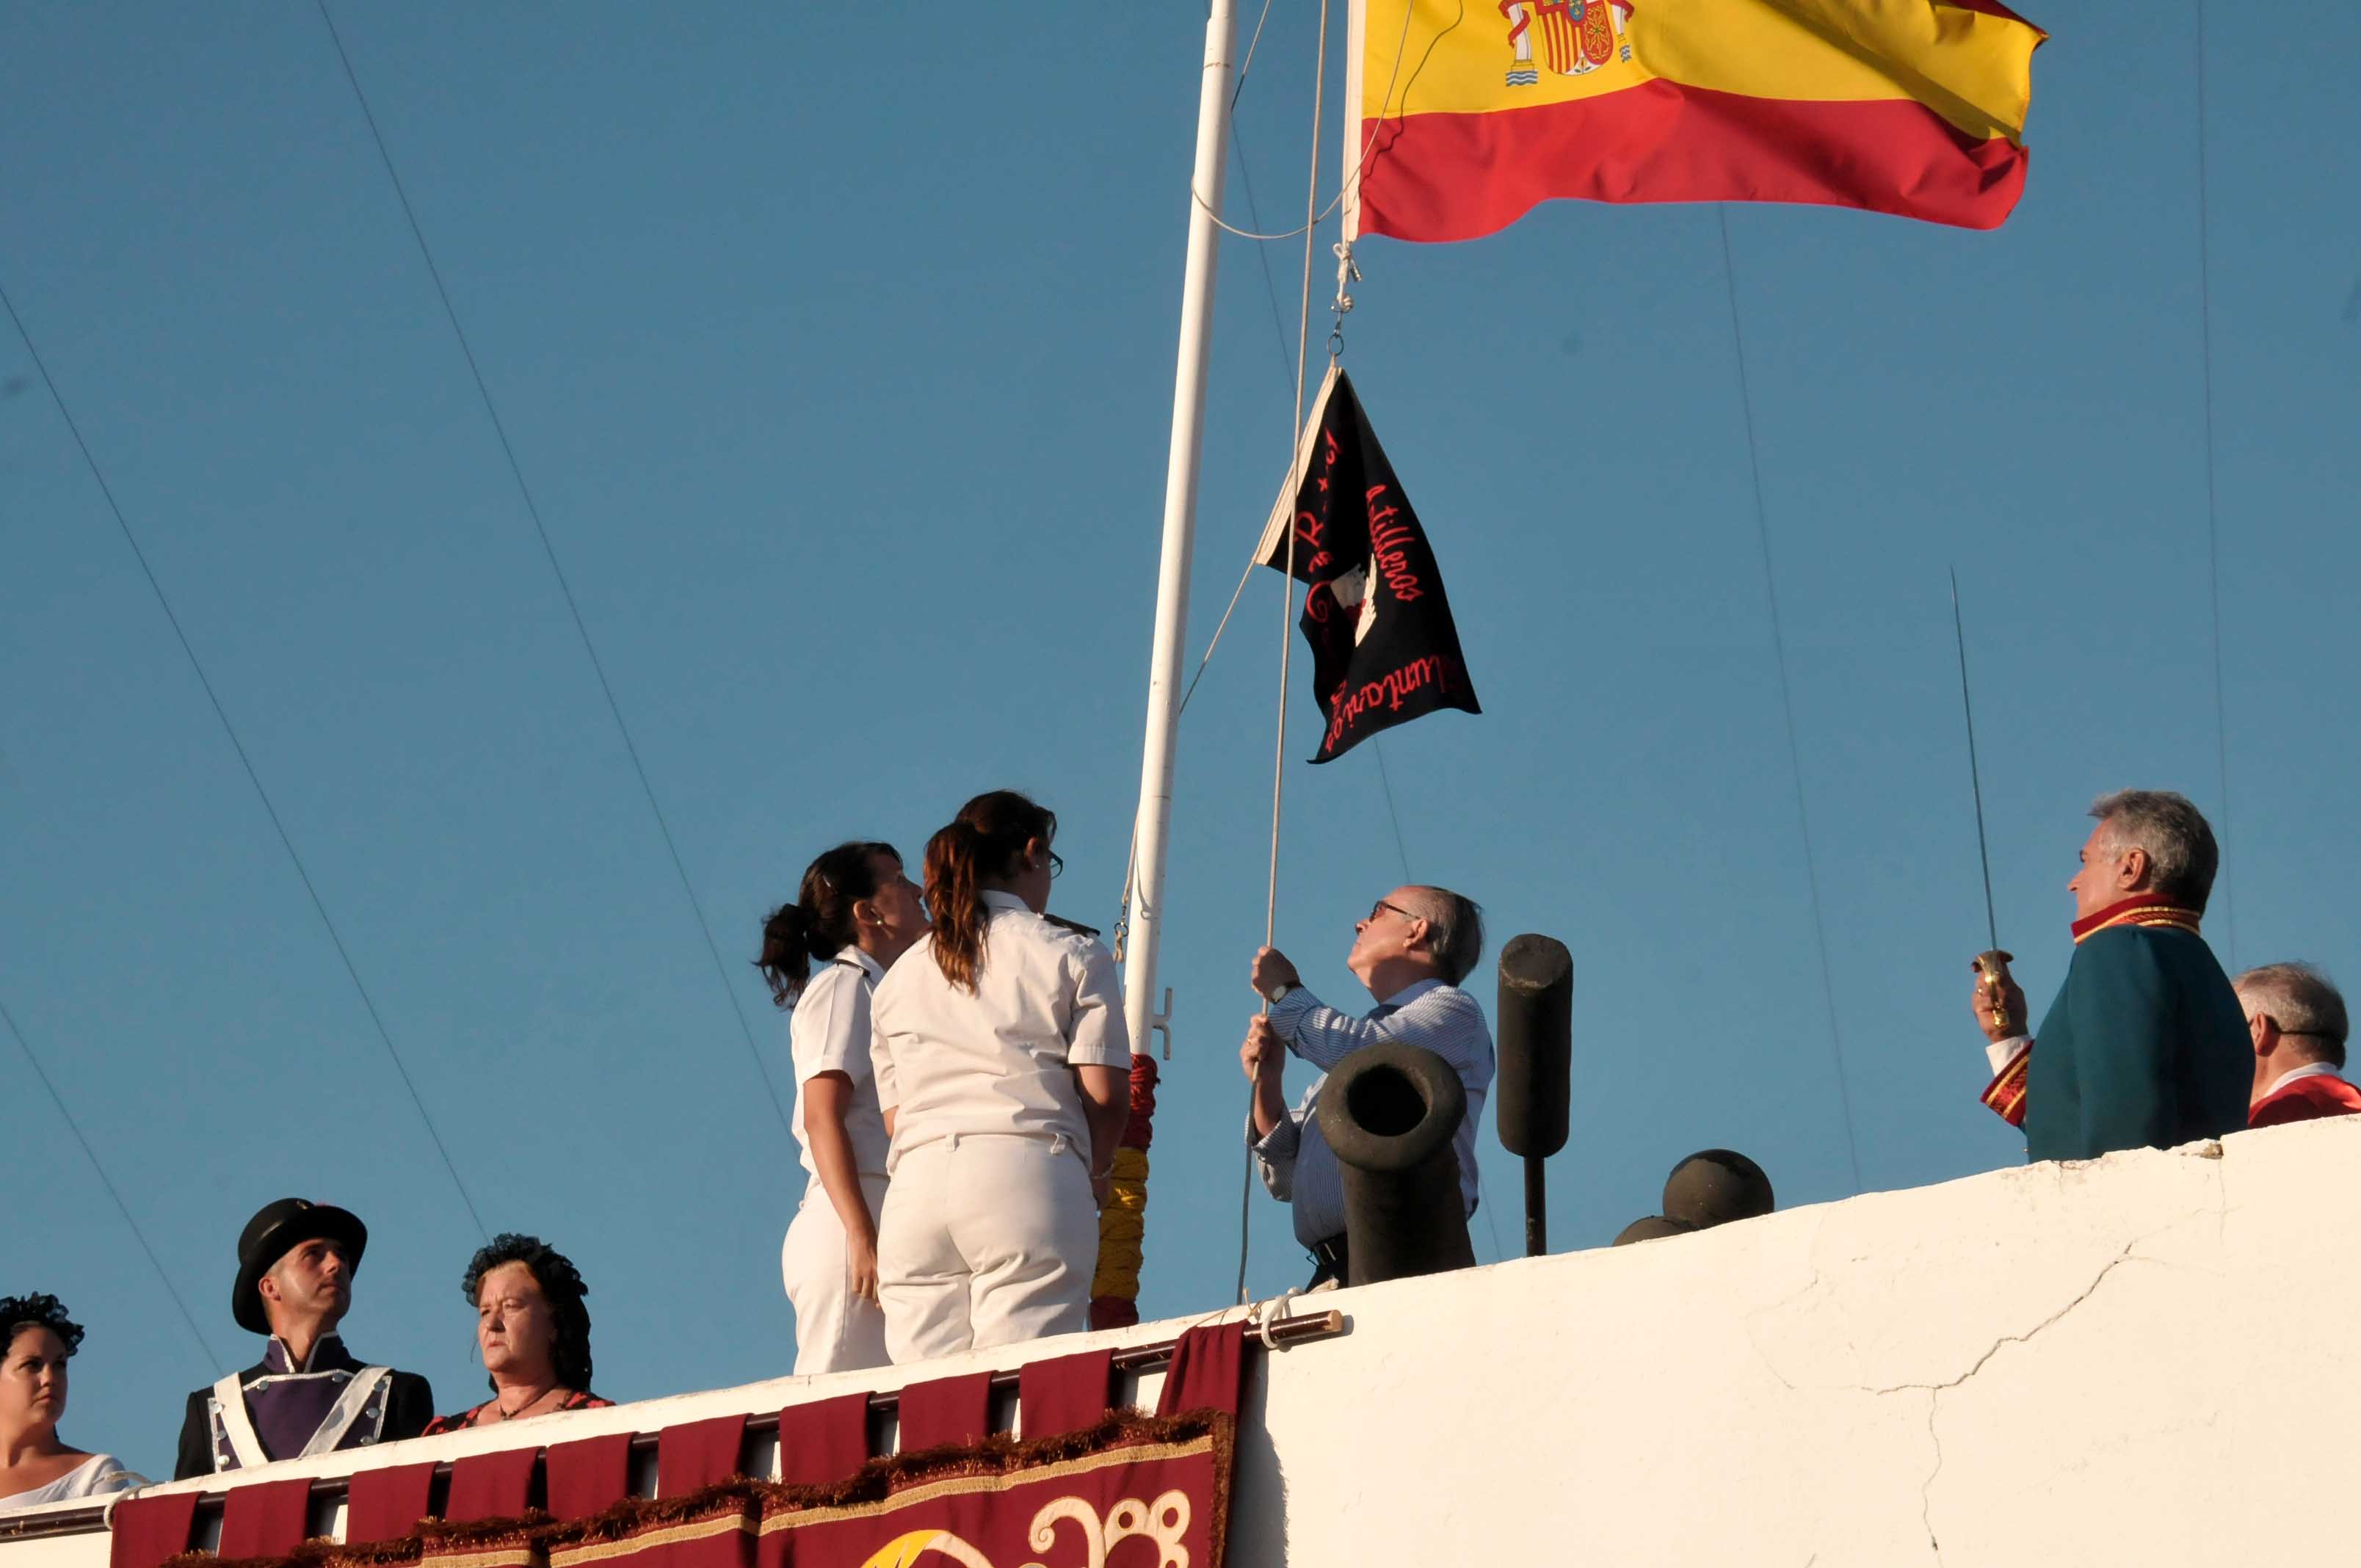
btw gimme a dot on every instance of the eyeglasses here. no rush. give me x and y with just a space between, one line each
1056 865
1381 907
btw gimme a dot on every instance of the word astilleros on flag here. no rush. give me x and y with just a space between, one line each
1472 112
1384 650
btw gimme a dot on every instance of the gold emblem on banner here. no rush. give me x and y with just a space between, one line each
1162 1523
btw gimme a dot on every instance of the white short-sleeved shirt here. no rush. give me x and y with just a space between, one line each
829 1032
1047 1000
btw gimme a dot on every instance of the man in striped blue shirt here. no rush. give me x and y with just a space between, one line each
1412 952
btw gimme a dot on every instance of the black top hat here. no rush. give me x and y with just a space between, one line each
275 1229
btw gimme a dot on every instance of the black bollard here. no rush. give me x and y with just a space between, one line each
1536 1020
1390 1112
1713 1187
1651 1227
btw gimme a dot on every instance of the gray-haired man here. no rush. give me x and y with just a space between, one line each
2297 1022
1412 951
2145 1044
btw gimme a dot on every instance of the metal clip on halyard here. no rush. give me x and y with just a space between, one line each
1346 273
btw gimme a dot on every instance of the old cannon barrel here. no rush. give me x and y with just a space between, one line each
1389 1112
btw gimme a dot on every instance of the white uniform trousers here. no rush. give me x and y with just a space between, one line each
835 1330
988 1239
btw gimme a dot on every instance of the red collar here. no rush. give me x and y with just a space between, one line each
2140 909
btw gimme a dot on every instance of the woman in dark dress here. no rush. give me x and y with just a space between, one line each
534 1332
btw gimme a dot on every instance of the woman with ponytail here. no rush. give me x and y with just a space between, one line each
854 914
1004 1069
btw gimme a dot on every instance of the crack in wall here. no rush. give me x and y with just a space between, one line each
2060 1179
2002 1343
1927 1488
2130 1253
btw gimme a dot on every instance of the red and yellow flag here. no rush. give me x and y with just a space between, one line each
1473 111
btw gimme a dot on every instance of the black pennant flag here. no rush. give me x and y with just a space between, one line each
1384 650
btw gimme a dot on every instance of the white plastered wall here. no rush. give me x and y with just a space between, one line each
2139 1360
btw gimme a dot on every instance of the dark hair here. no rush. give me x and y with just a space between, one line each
19 1313
818 924
986 838
560 1284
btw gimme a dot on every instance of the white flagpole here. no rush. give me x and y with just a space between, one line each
1356 144
1155 819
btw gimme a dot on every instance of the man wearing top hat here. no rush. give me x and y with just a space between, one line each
307 1394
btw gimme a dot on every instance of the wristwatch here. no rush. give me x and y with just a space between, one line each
1278 993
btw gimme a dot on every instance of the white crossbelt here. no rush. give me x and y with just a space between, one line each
237 1424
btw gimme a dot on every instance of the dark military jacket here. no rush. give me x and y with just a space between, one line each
2145 1046
290 1406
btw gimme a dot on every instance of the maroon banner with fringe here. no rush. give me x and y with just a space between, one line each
1064 1502
1122 1488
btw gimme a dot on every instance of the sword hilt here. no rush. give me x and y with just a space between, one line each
1992 965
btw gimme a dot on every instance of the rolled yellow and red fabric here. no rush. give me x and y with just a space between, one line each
1123 1224
1472 112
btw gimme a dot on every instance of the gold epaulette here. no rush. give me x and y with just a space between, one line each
1076 926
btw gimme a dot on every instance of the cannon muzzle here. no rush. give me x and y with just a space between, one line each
1391 1111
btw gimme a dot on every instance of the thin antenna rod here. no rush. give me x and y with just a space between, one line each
1975 779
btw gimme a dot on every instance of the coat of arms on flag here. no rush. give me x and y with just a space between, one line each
1468 113
1384 649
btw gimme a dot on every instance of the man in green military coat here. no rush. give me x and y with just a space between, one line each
2145 1046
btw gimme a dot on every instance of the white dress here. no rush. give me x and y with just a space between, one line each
829 1032
93 1478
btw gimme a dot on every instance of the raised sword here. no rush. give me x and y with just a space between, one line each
1991 963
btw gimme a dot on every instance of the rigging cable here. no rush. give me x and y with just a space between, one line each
1786 701
1253 212
1368 144
1286 366
1387 784
319 906
2212 525
1130 859
108 1182
565 588
1287 588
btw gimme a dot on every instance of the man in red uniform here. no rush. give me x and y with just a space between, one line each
2297 1022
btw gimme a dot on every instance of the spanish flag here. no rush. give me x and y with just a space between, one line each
1473 111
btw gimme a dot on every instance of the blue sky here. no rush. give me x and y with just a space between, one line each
837 351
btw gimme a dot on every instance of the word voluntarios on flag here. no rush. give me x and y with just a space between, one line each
1472 112
1384 649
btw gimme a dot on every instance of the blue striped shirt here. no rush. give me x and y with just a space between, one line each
1297 1164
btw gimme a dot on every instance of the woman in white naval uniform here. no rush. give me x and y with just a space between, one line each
1004 1069
854 914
